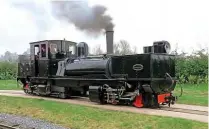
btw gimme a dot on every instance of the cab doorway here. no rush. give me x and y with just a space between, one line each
36 59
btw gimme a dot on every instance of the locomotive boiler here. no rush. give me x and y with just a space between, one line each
64 69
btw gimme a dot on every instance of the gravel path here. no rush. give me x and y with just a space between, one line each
157 112
27 122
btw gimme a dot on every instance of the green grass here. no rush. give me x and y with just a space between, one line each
9 85
80 117
193 94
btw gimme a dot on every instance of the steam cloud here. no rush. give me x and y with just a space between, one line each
92 20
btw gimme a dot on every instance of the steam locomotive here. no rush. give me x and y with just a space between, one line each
64 69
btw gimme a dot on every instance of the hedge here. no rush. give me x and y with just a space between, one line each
192 69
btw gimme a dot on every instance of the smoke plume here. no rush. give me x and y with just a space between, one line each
92 20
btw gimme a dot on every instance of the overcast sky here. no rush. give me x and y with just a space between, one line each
140 22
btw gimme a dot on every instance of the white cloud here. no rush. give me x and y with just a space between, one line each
139 22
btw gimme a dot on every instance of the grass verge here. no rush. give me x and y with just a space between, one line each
9 85
80 117
193 94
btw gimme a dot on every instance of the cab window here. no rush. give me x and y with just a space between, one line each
43 50
72 49
53 48
36 50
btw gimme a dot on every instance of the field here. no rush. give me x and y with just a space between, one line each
79 117
192 94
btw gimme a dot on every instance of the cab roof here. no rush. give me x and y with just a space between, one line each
58 41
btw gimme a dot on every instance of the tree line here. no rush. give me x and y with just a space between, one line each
192 68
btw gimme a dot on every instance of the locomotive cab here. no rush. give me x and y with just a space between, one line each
44 57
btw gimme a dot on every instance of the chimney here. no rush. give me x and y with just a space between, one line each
109 41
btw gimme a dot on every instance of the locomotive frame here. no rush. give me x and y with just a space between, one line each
142 80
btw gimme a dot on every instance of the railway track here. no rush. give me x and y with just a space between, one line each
172 109
4 126
189 111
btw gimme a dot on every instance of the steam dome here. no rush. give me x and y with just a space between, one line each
82 49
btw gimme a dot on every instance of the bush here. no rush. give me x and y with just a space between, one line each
8 70
192 69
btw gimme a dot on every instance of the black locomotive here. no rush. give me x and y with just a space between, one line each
64 69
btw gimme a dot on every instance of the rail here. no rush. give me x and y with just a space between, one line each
15 126
190 111
4 126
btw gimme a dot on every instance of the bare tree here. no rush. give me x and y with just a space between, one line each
120 48
97 50
116 49
9 56
27 52
134 50
124 48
